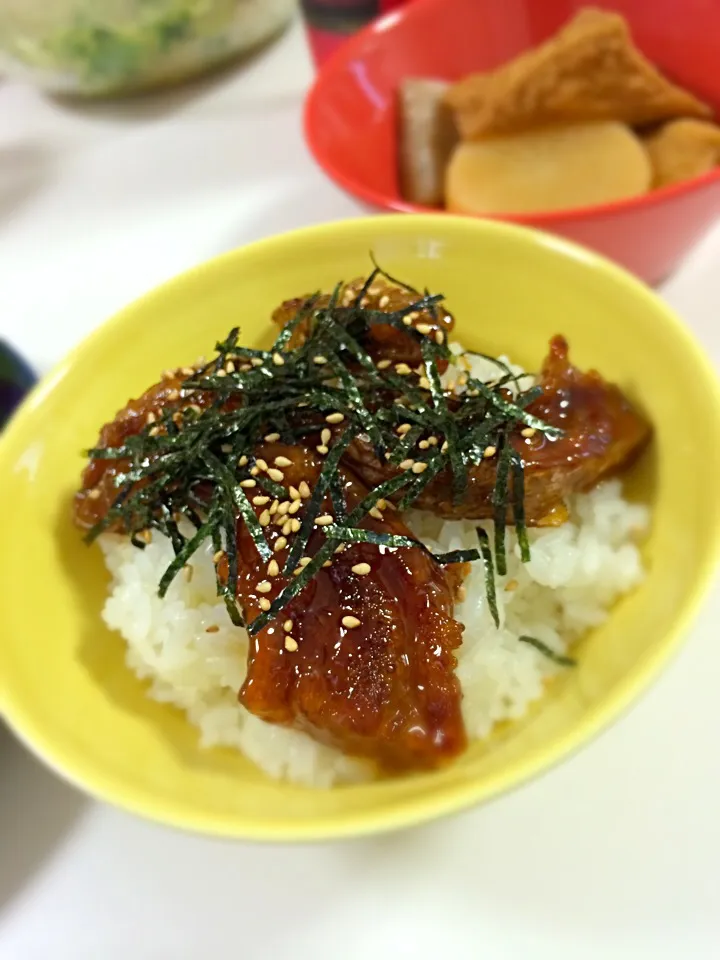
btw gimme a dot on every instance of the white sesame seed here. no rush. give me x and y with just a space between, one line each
256 361
261 464
361 569
151 418
282 462
403 429
439 337
287 527
304 561
489 451
94 494
290 644
325 520
322 449
383 364
424 383
406 464
264 518
423 328
319 360
283 506
403 369
260 501
278 360
294 493
294 507
226 448
229 367
273 568
294 525
287 626
272 437
381 504
334 418
276 475
279 519
214 628
424 444
274 507
444 448
325 437
350 622
328 563
220 373
254 471
407 321
374 512
264 604
217 557
341 548
383 301
264 586
304 490
188 571
528 432
415 315
248 484
280 544
433 441
419 467
187 371
242 461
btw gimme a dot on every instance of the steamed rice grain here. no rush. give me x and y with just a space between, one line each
193 657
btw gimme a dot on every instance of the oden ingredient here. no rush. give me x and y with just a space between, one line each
549 169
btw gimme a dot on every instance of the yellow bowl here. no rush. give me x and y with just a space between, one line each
63 683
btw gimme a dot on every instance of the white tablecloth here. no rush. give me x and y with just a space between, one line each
616 854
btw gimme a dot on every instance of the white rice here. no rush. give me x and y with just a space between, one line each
576 573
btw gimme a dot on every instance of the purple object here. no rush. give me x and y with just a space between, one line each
16 378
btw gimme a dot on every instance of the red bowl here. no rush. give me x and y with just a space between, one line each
350 113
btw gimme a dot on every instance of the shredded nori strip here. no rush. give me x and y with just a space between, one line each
486 554
500 505
191 462
560 658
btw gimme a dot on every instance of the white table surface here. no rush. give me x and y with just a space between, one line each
616 854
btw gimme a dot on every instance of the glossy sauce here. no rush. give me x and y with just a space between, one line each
384 689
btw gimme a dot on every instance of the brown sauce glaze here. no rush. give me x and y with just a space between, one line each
384 341
602 434
380 684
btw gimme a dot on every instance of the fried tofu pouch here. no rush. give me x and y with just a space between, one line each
590 70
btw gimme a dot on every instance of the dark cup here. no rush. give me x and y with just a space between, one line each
330 22
16 378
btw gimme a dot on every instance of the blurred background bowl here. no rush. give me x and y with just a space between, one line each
100 47
64 684
351 120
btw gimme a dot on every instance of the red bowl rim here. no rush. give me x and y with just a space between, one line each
354 45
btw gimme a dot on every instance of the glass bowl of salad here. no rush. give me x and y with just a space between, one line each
105 47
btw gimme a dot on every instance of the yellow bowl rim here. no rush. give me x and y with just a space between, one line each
421 809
